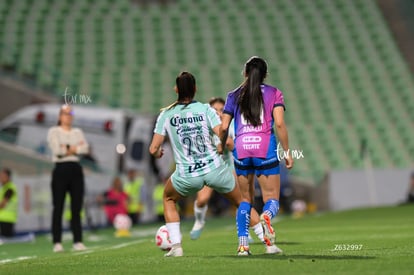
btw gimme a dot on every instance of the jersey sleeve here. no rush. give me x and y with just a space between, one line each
279 100
230 105
212 117
160 124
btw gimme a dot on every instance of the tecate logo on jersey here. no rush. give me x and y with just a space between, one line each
251 139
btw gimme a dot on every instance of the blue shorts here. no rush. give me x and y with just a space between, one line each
257 166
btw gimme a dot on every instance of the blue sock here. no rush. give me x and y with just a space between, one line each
271 208
243 222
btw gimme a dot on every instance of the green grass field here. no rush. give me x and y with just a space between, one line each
364 241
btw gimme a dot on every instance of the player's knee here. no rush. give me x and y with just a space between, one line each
170 194
202 199
201 202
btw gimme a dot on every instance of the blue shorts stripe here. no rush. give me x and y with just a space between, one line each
257 166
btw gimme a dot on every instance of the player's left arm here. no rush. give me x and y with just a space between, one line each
282 133
155 148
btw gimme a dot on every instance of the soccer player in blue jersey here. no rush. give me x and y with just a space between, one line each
204 195
255 107
190 126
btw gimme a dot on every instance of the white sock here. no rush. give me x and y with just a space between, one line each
258 229
200 213
174 231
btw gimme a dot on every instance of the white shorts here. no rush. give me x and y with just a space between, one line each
220 179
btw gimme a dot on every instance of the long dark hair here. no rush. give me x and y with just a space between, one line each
250 99
186 86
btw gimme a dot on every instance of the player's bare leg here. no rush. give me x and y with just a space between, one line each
247 190
172 219
270 186
200 211
243 219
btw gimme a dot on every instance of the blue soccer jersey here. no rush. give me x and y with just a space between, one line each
253 141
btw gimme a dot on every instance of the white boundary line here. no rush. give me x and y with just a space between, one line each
118 246
88 251
21 258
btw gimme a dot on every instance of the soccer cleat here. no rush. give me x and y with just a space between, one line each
243 251
267 241
58 247
195 234
273 249
268 230
270 247
196 231
79 247
175 251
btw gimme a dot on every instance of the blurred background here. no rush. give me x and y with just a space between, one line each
345 68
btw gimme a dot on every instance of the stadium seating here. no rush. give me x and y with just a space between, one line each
342 75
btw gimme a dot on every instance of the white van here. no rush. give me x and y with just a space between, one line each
107 130
118 139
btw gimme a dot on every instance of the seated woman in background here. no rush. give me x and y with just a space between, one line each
114 201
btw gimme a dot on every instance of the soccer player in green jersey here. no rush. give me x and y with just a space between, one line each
190 126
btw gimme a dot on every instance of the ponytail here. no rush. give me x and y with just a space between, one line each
172 105
250 99
186 86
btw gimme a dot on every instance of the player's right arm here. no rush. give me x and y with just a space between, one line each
155 147
226 118
158 137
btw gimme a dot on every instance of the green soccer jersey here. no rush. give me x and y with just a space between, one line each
190 131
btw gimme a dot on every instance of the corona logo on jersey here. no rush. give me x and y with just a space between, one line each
176 120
